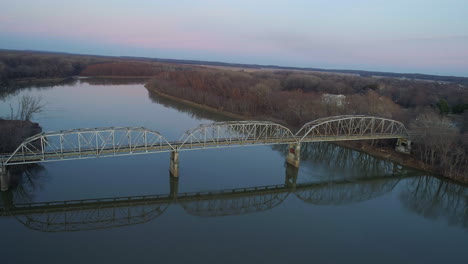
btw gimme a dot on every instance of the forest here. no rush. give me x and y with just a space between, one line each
435 111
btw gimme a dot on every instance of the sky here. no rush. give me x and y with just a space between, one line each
419 36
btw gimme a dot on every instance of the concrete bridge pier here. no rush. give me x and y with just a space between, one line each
4 178
294 154
174 165
403 145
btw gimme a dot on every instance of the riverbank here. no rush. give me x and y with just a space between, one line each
383 153
33 81
400 158
199 106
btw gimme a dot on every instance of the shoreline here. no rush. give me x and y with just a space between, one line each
199 106
381 153
33 81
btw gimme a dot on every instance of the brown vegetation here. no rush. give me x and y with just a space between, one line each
29 65
129 68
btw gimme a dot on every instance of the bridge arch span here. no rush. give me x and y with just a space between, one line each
351 127
88 143
235 133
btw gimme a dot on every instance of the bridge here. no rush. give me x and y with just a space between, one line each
111 142
91 214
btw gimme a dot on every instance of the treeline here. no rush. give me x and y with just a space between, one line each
16 66
406 93
130 68
414 76
22 65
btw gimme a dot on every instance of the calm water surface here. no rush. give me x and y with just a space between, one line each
341 206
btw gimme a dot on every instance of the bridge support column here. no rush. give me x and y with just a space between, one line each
294 154
4 178
174 165
403 145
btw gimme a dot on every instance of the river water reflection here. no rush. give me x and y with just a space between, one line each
229 205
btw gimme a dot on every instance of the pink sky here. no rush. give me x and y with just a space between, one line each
369 35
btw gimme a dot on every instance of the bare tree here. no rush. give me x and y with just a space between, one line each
436 136
27 107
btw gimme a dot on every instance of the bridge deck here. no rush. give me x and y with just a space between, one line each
35 157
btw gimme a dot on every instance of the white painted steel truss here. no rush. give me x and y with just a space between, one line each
351 127
113 141
88 143
236 133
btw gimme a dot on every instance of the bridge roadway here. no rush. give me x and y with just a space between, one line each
36 156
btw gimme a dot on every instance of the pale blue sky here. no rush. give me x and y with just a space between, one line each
402 36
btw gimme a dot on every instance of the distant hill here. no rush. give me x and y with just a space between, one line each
412 76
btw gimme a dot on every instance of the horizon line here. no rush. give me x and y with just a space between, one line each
201 62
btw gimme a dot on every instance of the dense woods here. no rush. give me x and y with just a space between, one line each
436 111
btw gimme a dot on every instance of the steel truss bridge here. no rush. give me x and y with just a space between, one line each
91 214
113 141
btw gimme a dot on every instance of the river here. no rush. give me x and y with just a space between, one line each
341 206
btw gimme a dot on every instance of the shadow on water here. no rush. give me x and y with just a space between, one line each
193 112
424 195
91 214
341 162
13 89
115 81
435 198
25 180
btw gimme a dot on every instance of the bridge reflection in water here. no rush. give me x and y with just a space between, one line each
91 214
